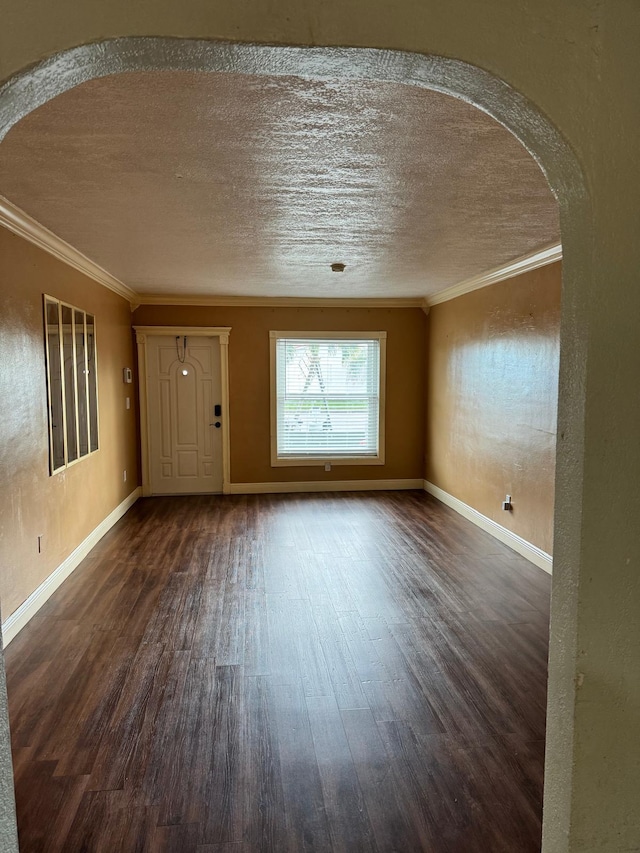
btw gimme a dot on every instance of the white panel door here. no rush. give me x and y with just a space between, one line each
185 435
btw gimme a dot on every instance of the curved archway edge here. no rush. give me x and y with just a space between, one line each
39 84
35 86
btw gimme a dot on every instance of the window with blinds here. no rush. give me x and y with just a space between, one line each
327 399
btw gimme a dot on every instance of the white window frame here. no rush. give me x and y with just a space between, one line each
301 461
67 463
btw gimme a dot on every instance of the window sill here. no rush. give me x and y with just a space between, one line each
318 461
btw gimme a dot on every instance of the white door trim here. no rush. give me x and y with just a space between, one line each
220 332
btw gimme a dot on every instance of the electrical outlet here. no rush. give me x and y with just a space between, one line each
506 503
327 466
124 476
127 403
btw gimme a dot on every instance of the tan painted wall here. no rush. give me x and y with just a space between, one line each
249 383
492 377
64 508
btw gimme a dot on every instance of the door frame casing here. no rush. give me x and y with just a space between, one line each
220 332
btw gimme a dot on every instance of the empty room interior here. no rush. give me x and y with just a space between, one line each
277 541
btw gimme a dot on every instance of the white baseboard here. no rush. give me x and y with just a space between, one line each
19 618
536 555
321 486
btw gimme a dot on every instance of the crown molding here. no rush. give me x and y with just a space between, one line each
278 301
17 221
526 263
20 223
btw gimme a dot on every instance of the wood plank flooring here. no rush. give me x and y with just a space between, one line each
333 673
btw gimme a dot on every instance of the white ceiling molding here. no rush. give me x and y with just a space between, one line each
17 221
526 263
20 223
278 301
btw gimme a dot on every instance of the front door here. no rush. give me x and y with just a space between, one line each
185 435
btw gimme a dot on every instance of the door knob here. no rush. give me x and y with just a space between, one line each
217 424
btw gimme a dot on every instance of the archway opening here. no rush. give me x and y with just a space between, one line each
434 74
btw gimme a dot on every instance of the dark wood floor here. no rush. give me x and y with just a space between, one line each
356 672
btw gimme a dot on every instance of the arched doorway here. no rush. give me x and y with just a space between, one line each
452 77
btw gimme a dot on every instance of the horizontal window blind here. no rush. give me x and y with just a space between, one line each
328 397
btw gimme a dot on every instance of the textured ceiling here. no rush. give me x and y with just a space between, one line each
228 184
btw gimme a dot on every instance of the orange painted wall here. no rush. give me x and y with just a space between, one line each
249 383
66 507
492 391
